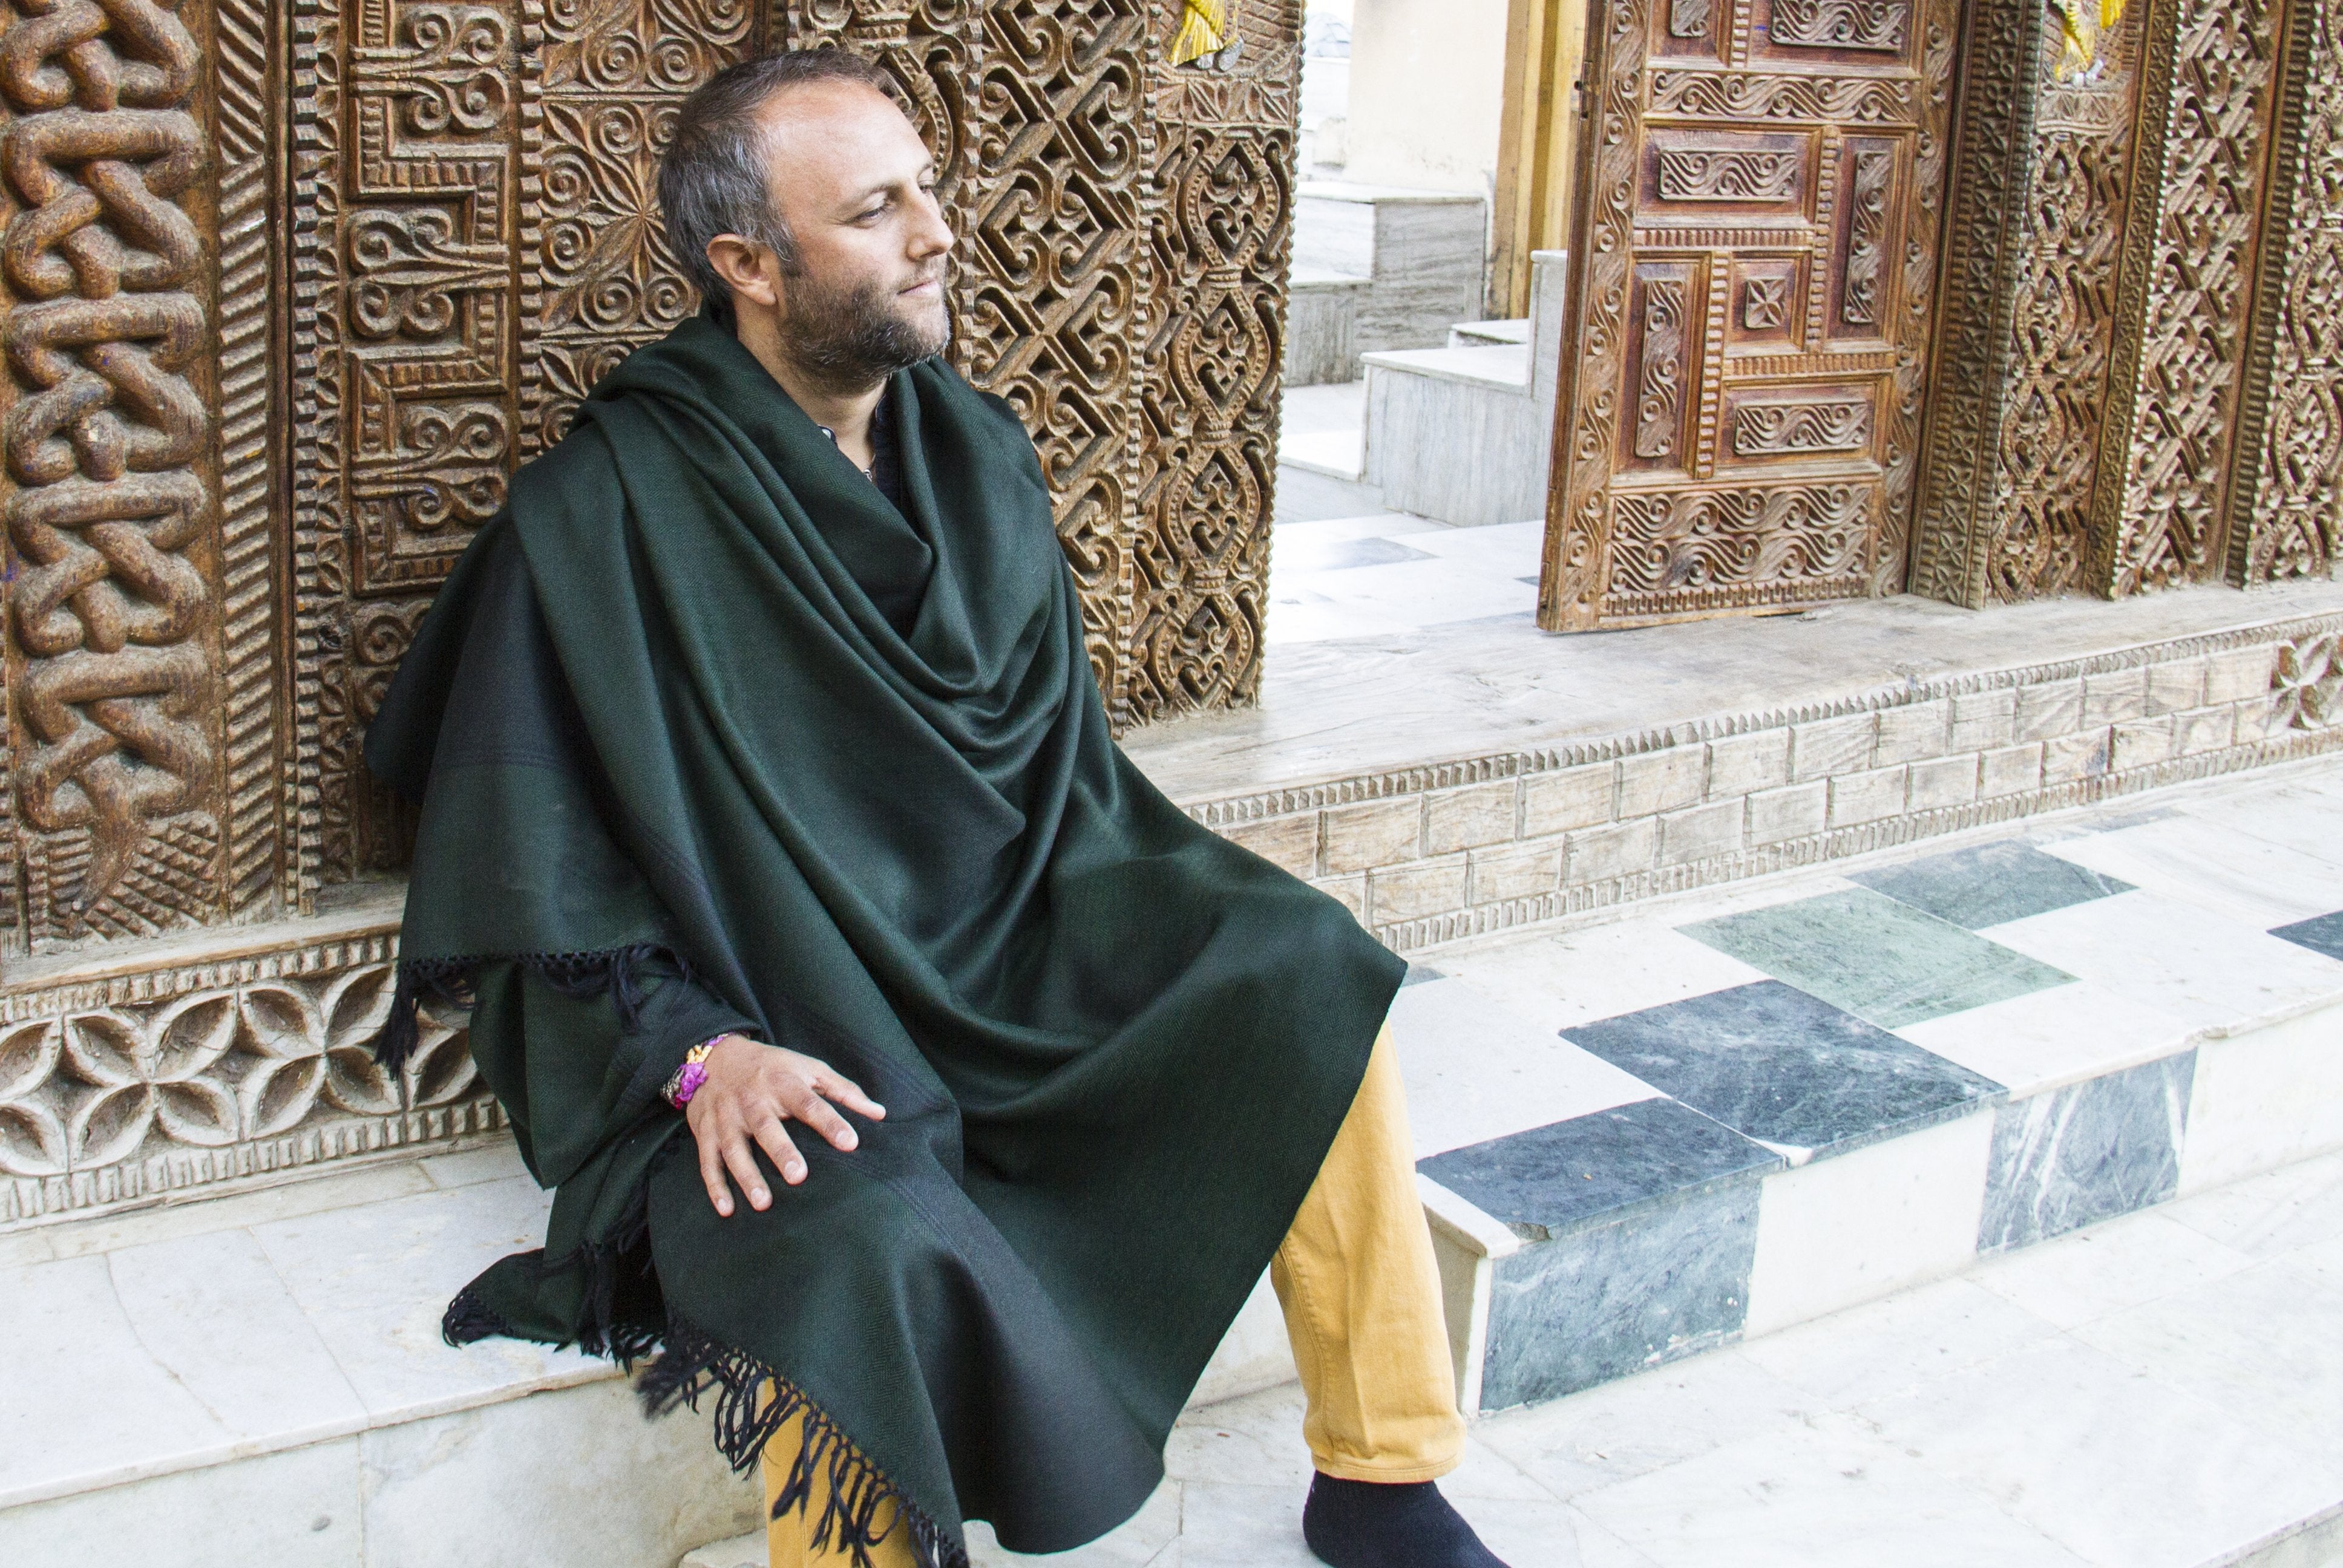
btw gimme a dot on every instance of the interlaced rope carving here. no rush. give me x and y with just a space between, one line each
106 438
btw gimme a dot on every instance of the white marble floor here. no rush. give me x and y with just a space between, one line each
2162 1390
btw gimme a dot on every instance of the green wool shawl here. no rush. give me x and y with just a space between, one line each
710 735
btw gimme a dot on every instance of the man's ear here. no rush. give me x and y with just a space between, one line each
747 269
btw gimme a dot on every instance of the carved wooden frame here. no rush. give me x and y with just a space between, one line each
2289 448
1611 310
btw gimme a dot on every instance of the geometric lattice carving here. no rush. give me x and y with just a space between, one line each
2064 315
111 448
2167 437
477 243
126 1089
1219 235
2309 683
2287 521
1984 249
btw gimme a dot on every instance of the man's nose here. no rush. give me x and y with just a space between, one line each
934 236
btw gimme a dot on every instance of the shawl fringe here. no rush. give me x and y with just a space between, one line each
621 971
857 1518
602 1332
863 1508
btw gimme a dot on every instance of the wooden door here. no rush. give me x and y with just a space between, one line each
1752 263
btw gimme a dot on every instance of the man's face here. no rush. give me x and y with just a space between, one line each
855 186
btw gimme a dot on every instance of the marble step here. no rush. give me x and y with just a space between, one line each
260 1379
1421 251
1731 1115
1488 333
1321 327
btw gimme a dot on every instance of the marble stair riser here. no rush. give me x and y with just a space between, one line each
1470 453
1421 252
1322 342
1470 449
1752 1251
1442 852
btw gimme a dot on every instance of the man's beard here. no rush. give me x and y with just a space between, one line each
852 338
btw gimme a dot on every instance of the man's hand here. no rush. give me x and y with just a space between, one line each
751 1089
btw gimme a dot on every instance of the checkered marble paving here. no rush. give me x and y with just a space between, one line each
2010 1028
1998 969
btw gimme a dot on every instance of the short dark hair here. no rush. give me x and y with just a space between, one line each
711 178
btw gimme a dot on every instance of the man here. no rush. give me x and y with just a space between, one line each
764 781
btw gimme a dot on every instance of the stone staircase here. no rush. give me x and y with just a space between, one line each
1461 433
1377 268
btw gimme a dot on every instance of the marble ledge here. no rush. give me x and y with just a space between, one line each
292 1439
230 1345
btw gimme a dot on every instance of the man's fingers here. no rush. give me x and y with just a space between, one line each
743 1165
712 1172
775 1141
812 1109
848 1094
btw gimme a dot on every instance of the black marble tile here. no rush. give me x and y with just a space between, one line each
1990 883
1419 973
1549 1179
1651 1286
1770 1061
2320 934
2086 1152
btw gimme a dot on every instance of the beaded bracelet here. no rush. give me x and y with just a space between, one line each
692 1074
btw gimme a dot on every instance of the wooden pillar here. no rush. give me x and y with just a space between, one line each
2131 388
1545 44
2285 501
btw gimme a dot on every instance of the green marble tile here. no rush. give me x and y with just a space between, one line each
1882 960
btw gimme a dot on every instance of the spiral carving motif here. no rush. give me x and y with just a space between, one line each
110 434
2292 471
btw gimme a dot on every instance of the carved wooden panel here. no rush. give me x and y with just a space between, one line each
137 436
2284 509
1970 392
476 243
1752 306
2064 319
2186 295
1207 397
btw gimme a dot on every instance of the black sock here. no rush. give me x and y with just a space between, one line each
1371 1525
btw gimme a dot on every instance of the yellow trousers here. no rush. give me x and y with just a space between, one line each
1361 1297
